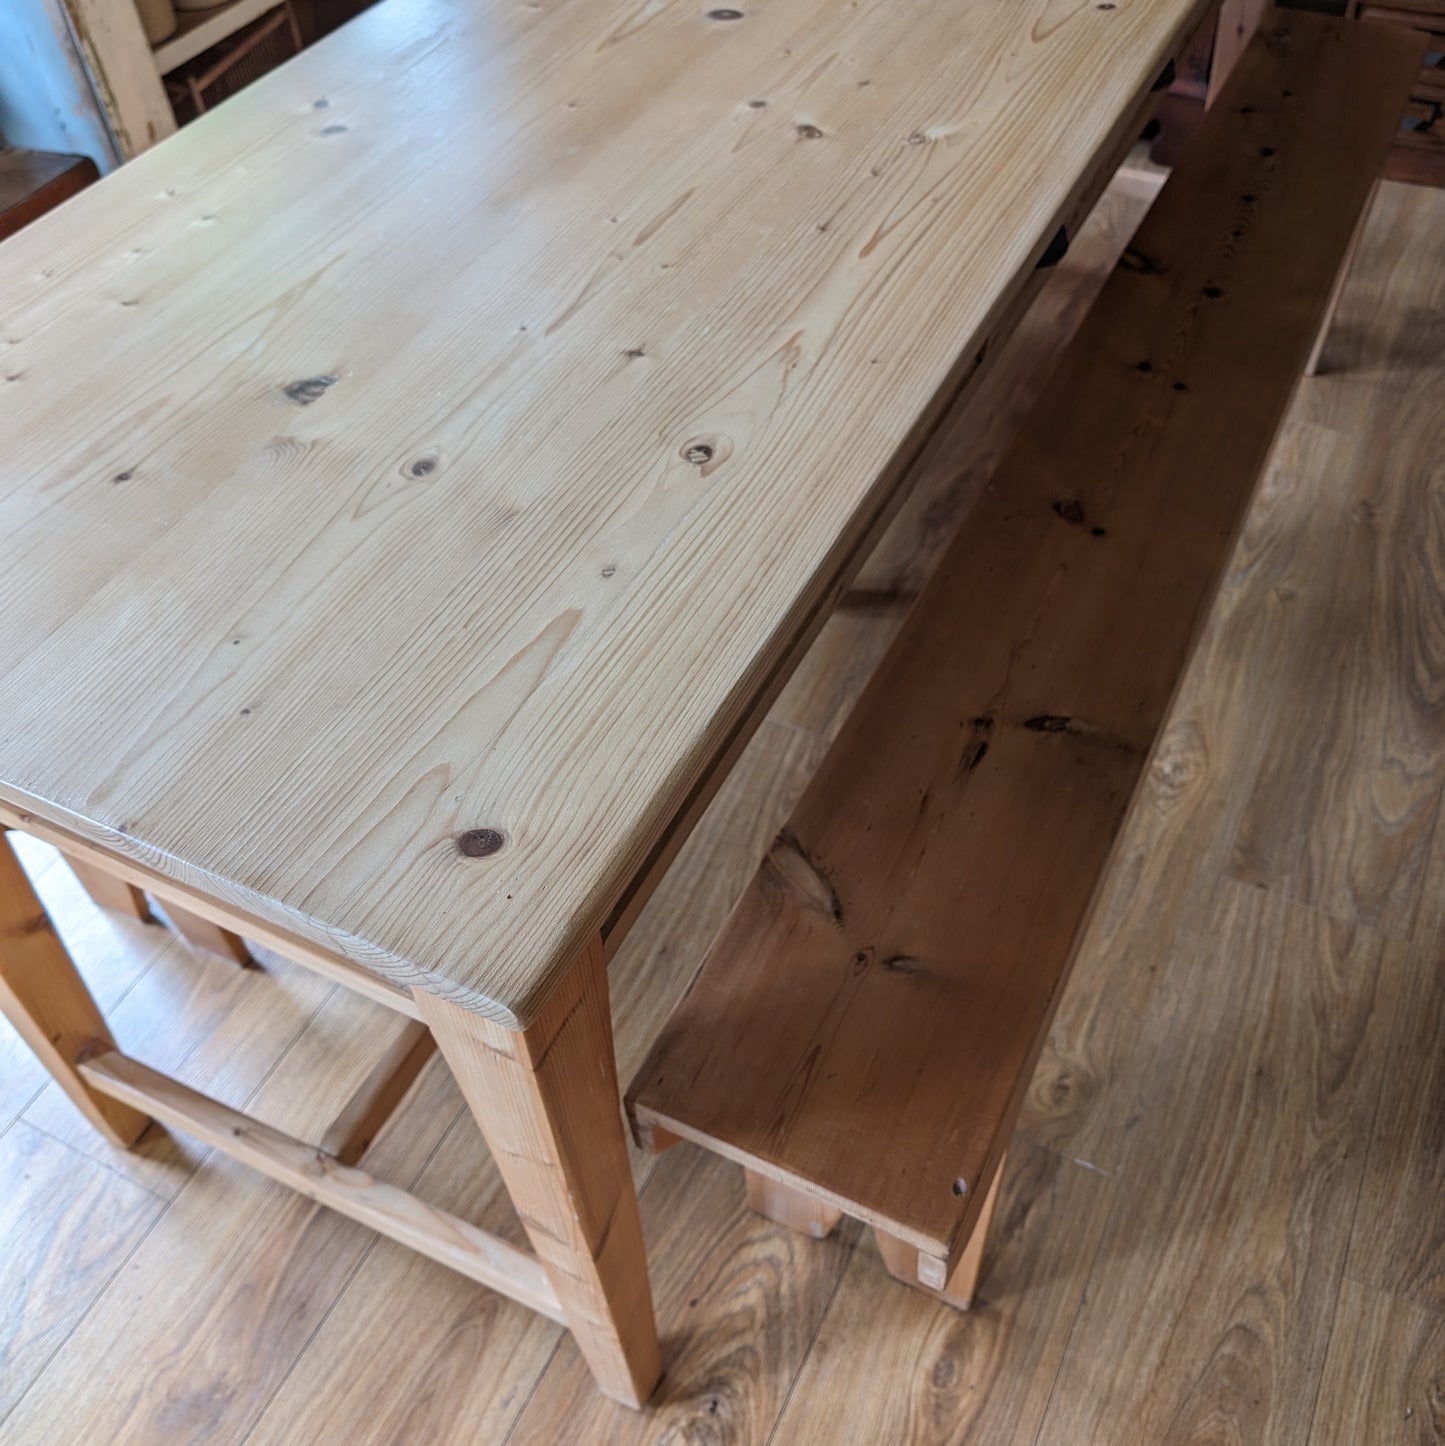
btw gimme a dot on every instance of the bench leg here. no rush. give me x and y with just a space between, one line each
793 1208
1312 366
907 1263
547 1102
210 938
46 1000
109 892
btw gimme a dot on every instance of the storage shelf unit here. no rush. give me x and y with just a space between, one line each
1419 153
200 29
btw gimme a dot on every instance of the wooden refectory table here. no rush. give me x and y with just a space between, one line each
421 473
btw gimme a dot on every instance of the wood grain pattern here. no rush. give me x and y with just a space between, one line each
1399 1237
1242 1185
1090 1087
890 974
444 1360
1359 710
209 912
226 1291
251 1310
806 280
1385 1373
218 1029
740 1301
351 1192
411 1321
67 1227
896 1365
959 459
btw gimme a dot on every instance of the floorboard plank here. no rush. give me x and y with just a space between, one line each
1394 270
893 1364
219 1028
217 1303
1399 1238
1345 805
1208 1310
739 1300
1087 1093
1384 1375
67 1226
443 1360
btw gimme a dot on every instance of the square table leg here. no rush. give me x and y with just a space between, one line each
44 997
547 1102
110 892
210 938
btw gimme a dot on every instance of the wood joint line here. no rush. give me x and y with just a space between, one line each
170 894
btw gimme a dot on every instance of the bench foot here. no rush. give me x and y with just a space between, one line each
913 1267
1312 367
109 892
652 1137
546 1101
793 1208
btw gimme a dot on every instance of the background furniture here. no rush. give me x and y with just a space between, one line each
1419 151
1418 154
32 182
80 75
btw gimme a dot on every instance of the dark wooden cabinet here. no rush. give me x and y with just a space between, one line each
1419 151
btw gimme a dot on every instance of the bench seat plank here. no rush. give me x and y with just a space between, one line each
867 1021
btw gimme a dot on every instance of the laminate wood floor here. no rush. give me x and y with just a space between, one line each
1223 1220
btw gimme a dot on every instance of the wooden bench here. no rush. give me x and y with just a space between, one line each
862 1032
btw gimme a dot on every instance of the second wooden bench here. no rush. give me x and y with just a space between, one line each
862 1032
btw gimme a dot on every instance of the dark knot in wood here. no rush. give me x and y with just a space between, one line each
308 389
479 843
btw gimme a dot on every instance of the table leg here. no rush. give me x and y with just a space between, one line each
547 1102
46 1000
210 938
110 892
